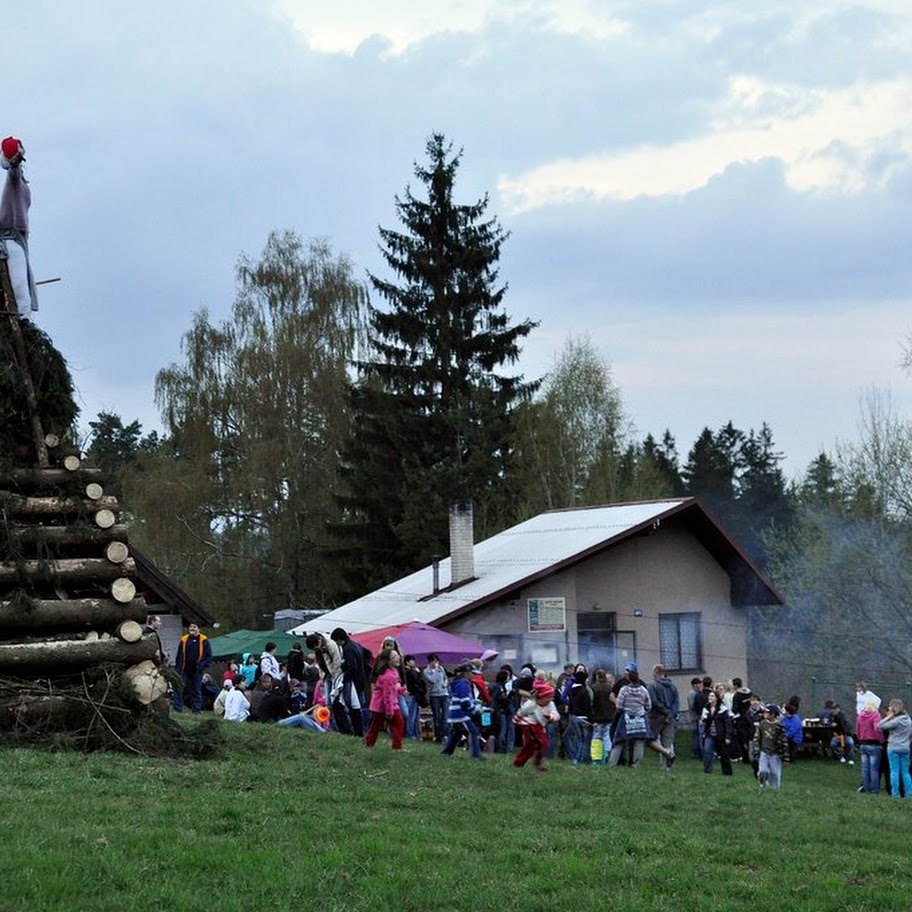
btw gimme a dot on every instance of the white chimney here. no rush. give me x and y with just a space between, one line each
462 544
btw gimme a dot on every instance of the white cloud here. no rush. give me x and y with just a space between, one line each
827 140
342 27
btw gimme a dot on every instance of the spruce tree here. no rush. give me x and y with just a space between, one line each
662 459
433 416
712 468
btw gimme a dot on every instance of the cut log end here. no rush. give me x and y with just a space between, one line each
104 519
129 631
123 590
148 682
94 491
117 552
71 463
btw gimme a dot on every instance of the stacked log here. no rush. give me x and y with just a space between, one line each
68 598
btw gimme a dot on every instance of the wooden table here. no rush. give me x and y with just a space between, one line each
817 737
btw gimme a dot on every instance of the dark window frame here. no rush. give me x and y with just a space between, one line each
673 658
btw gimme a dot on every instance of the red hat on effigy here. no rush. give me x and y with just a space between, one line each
11 147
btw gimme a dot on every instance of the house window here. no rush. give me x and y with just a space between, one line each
597 639
681 641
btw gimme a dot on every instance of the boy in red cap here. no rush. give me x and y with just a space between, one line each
14 207
532 719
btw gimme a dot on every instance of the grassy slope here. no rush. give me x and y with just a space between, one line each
293 819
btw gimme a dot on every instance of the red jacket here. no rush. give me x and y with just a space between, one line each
478 682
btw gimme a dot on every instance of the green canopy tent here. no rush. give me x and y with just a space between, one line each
235 644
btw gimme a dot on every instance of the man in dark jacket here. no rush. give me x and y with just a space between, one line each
354 677
743 723
294 664
194 655
666 710
578 735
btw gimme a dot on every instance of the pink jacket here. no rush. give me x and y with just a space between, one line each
866 726
385 693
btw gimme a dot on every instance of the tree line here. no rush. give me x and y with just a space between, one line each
314 439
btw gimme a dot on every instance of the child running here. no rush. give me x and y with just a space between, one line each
384 702
532 719
769 747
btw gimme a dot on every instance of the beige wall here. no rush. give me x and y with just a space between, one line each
667 572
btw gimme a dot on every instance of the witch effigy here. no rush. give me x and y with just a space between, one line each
15 201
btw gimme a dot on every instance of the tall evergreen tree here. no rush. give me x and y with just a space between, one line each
433 416
663 460
711 469
821 486
738 477
764 502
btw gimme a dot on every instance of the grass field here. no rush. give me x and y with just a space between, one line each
290 820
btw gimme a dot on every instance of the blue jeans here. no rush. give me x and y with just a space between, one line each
899 769
870 768
458 728
552 729
709 752
440 704
838 750
302 721
193 681
411 718
505 734
769 770
577 740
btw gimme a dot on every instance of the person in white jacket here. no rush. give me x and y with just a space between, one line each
237 703
863 696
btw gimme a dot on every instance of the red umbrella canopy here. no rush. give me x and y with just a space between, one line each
419 639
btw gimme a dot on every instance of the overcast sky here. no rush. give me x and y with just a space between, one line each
718 193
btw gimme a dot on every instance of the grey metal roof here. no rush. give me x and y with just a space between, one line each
537 547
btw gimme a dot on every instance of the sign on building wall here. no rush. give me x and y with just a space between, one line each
547 614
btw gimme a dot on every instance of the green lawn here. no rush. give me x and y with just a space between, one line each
290 819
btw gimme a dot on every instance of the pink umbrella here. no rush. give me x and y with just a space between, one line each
419 639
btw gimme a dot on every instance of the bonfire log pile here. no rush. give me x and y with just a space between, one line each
68 600
76 669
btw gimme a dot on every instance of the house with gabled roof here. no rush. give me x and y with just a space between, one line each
651 582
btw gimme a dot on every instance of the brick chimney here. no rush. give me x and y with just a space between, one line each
462 544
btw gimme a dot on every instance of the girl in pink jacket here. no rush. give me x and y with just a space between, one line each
384 703
870 742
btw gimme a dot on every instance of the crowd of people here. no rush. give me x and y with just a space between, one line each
338 685
734 724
